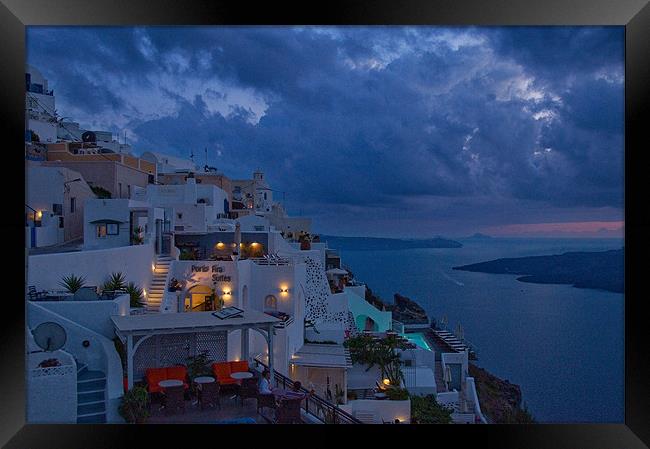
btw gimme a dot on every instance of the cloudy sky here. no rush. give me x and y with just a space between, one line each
377 131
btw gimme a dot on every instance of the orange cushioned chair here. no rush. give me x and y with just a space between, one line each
178 373
236 367
222 372
153 376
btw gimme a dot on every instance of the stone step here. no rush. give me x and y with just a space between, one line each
90 397
99 418
91 409
89 375
91 386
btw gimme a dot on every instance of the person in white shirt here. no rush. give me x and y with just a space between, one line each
265 383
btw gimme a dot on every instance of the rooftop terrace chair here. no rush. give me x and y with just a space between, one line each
265 401
174 399
35 295
249 389
288 412
209 395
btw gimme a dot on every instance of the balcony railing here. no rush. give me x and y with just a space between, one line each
314 405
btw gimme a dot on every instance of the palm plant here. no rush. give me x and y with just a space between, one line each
72 283
135 293
117 281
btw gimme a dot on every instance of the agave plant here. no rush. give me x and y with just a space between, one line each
117 281
72 283
135 293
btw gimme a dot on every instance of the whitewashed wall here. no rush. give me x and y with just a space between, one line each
51 392
95 315
46 270
385 410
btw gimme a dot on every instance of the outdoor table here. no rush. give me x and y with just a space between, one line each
204 380
170 383
380 396
239 375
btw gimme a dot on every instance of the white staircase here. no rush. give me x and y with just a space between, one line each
158 283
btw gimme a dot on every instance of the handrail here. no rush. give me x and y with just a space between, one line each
322 405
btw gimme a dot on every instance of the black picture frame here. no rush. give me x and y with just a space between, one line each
633 14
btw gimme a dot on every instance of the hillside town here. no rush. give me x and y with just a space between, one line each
161 290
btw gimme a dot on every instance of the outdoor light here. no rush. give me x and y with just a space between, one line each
153 267
220 245
227 292
386 382
39 214
144 292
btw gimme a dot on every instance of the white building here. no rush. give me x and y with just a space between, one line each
189 207
169 164
55 199
40 113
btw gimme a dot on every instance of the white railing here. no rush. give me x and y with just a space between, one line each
63 370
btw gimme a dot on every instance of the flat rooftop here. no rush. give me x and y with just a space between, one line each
325 355
137 324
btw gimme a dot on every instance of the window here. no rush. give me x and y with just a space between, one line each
264 195
128 190
60 222
270 303
57 209
101 230
179 215
104 229
73 204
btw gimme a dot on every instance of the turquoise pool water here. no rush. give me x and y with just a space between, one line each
418 339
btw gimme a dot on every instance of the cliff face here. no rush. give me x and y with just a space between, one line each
407 311
500 399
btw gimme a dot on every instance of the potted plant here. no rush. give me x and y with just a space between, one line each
48 363
72 283
135 294
134 407
198 365
117 281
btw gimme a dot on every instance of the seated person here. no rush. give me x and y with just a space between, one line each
265 382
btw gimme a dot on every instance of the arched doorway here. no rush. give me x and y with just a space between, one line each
199 298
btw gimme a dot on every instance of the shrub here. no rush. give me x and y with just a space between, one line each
134 405
101 192
397 394
72 283
426 410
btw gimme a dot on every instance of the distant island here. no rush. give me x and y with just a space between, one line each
376 243
479 236
597 270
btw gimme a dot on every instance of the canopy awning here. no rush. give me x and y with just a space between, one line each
336 271
163 323
107 221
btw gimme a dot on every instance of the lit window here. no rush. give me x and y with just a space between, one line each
101 230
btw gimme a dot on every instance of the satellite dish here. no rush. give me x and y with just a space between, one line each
89 136
49 336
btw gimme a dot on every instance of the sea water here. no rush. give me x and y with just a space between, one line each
564 346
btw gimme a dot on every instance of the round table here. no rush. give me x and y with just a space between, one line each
239 375
170 383
204 380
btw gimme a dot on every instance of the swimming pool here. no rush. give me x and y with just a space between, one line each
418 339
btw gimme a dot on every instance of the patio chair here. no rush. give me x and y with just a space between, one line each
265 400
35 295
288 412
174 399
249 389
209 395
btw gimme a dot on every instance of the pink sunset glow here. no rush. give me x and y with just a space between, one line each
586 229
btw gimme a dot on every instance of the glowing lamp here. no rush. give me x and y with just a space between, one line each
227 292
144 292
220 245
39 214
386 382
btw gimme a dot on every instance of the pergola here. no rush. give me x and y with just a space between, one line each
138 329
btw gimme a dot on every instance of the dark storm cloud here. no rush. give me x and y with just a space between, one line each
362 120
